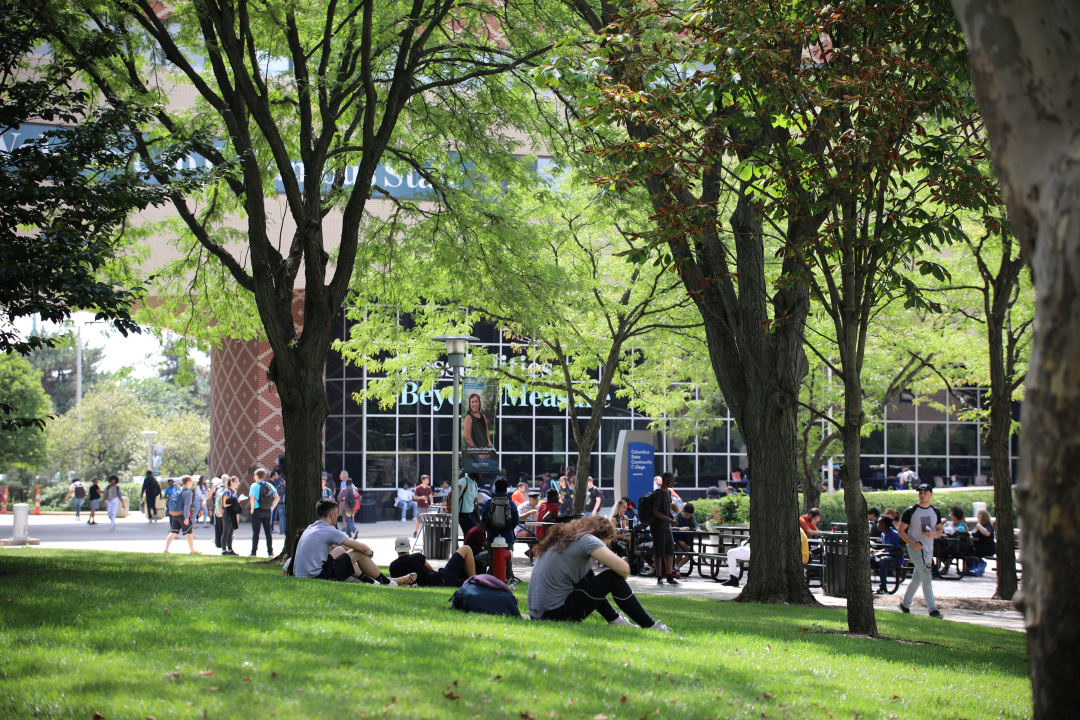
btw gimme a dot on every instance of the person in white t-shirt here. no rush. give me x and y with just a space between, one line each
918 527
405 499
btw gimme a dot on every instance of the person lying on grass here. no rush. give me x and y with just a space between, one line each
460 567
564 587
323 552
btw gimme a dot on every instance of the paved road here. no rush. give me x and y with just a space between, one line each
135 534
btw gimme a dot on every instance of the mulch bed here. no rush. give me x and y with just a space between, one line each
950 603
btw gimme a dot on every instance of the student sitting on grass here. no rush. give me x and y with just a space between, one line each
564 587
323 552
458 569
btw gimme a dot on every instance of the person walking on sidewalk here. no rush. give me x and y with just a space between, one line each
76 493
151 488
348 503
261 504
181 514
918 527
95 500
113 496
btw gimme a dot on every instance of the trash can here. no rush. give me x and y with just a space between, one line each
436 528
835 556
367 511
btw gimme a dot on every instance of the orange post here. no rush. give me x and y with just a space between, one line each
37 500
3 501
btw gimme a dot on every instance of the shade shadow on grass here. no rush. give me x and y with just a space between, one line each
89 630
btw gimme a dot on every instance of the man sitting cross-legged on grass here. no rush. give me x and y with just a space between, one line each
458 569
564 587
324 552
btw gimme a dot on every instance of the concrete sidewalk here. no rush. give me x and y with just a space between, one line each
135 534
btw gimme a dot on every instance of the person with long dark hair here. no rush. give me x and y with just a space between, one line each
564 587
476 429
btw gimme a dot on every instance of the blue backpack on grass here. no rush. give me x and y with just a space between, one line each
486 594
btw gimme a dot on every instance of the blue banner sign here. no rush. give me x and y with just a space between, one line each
641 474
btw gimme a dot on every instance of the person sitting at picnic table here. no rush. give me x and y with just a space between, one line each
809 522
683 540
323 552
547 511
564 587
890 556
982 535
734 555
520 494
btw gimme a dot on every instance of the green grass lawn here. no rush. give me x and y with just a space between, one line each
152 636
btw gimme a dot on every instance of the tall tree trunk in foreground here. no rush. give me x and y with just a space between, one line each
1025 59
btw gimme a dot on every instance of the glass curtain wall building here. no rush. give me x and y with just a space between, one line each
382 448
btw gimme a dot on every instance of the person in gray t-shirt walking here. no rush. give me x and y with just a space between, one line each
918 527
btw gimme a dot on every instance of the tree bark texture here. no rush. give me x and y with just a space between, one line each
860 593
1025 59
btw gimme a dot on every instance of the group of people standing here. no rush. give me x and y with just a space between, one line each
110 497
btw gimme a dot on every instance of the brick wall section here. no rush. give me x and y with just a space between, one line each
245 413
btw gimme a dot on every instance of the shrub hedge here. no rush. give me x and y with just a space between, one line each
736 508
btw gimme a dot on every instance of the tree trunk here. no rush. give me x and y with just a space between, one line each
768 426
860 593
998 437
1025 59
303 412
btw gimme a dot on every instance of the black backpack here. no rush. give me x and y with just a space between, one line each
266 495
499 516
645 508
80 491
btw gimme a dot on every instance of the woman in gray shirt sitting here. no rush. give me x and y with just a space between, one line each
564 587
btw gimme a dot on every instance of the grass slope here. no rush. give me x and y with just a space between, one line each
138 636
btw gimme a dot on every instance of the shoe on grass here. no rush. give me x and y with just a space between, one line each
936 614
620 621
904 608
660 627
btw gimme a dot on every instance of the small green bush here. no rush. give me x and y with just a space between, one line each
736 508
730 508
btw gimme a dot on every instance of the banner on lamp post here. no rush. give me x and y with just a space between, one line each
480 397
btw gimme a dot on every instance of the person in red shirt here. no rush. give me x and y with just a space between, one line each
520 494
549 507
809 521
422 495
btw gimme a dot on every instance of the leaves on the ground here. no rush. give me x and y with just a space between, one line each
622 700
450 694
206 673
526 715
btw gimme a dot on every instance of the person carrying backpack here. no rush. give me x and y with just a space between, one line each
349 501
263 498
77 493
499 516
179 509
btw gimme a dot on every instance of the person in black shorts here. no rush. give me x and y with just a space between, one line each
459 568
180 524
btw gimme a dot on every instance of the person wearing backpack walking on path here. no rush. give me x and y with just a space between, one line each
918 527
564 587
263 498
348 503
499 516
76 493
180 515
151 488
94 494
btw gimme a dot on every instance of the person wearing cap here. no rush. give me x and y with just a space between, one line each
323 552
918 527
460 567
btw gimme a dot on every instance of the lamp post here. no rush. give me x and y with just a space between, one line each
149 436
455 356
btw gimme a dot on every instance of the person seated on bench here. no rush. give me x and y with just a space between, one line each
684 541
892 555
982 536
458 569
323 552
527 511
564 587
734 555
547 511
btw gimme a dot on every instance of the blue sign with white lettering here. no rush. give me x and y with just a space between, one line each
642 462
